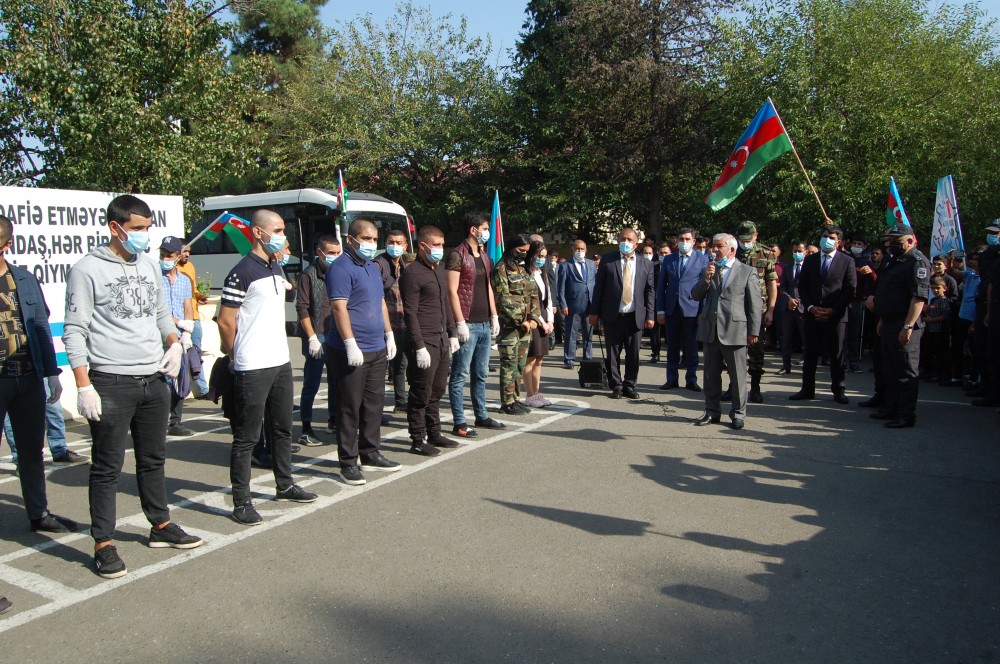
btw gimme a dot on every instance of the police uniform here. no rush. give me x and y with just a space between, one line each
761 259
902 279
516 296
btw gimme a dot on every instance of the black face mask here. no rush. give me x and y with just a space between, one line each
519 256
896 248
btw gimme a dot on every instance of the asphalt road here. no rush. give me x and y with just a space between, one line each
592 531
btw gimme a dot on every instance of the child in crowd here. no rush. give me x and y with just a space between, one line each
935 346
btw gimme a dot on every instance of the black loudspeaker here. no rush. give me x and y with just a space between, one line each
592 375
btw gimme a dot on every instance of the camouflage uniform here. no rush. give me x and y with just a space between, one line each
761 259
516 296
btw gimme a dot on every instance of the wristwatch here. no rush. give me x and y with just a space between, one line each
907 326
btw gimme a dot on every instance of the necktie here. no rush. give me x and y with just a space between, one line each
826 264
627 282
795 274
683 265
583 269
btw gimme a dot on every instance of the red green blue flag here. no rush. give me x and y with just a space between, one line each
763 141
894 212
342 192
494 246
236 228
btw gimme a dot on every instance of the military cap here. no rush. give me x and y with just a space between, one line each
745 231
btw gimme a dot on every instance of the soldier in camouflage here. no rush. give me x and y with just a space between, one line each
761 259
517 306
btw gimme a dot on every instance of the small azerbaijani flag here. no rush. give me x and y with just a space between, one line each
494 246
342 192
237 229
894 212
763 141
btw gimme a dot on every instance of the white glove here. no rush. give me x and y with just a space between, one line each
186 341
355 358
288 285
454 344
315 347
185 325
495 326
170 365
423 359
88 402
390 345
55 388
463 332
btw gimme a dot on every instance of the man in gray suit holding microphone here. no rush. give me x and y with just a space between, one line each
729 320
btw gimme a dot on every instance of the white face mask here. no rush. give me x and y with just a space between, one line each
580 255
685 247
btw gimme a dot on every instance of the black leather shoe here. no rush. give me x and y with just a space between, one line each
654 359
756 397
52 523
694 387
736 424
802 395
630 393
669 385
880 415
841 398
707 419
901 423
874 402
616 393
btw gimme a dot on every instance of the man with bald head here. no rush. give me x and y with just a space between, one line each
252 327
361 340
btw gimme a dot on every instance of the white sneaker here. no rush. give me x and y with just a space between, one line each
532 401
543 401
305 440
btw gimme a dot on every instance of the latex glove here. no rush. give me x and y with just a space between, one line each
423 359
186 341
454 344
390 345
315 347
463 331
185 325
88 402
288 285
355 358
170 365
495 326
55 388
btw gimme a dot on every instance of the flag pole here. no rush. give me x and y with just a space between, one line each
207 226
826 217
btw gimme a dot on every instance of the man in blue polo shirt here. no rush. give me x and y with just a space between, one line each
361 341
252 327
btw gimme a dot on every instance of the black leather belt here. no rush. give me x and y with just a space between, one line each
15 368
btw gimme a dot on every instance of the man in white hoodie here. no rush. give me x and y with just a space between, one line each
117 326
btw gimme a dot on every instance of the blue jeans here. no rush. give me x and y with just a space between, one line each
472 356
55 429
201 382
312 376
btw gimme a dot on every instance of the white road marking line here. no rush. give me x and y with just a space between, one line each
69 596
34 583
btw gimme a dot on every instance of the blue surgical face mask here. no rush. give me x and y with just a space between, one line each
720 261
798 256
539 262
746 246
992 240
137 242
275 244
626 248
366 250
394 250
167 266
484 237
827 243
435 254
283 261
698 252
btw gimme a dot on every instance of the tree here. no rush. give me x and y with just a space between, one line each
408 110
867 89
122 96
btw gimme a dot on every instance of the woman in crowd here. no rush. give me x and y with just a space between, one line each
539 345
517 307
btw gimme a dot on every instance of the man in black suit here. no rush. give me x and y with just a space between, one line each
826 286
624 301
793 329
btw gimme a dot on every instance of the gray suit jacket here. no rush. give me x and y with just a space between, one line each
725 317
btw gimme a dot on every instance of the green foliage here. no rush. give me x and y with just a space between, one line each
122 96
409 110
287 32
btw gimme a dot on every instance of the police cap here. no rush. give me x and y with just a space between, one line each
899 230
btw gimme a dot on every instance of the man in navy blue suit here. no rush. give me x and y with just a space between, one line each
678 311
575 289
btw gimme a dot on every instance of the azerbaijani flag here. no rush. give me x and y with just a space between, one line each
894 212
494 246
763 141
237 229
342 192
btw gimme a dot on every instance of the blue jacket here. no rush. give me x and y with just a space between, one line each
572 292
35 317
674 291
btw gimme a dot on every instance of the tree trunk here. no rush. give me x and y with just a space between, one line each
655 224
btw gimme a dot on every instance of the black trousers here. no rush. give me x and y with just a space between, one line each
980 345
900 370
427 386
400 367
959 335
793 330
621 333
23 399
824 338
993 350
258 392
360 395
655 339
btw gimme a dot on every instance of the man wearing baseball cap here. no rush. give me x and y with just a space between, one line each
178 291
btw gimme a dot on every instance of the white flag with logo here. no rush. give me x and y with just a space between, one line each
947 231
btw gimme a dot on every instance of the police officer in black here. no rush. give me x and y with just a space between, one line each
902 290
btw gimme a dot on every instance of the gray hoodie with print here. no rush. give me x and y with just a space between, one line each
116 318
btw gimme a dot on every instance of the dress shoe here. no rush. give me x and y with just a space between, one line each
694 387
802 395
736 424
784 372
874 402
654 359
841 398
669 385
630 393
901 423
616 393
755 396
52 523
707 419
882 415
